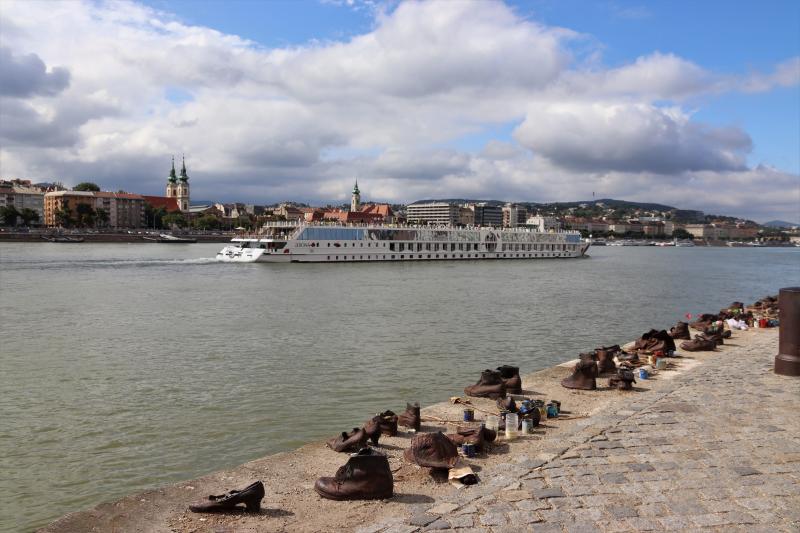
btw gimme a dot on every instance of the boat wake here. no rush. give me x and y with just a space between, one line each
20 264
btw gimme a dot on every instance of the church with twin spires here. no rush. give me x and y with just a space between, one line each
178 186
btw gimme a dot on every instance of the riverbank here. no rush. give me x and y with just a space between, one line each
611 463
138 237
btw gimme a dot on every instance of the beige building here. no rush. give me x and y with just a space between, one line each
433 213
22 195
543 223
514 215
466 216
124 210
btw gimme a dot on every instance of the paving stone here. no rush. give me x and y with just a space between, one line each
437 525
550 492
466 520
421 519
493 519
443 508
533 505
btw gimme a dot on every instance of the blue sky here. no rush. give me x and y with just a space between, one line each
693 104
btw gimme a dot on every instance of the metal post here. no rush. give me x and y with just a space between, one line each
787 362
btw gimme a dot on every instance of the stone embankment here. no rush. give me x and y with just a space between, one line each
711 443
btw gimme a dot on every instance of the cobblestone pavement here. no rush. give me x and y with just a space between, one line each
716 447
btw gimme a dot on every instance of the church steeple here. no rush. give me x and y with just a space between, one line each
172 178
355 201
184 175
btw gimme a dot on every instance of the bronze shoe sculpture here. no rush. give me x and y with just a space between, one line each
478 437
624 380
653 341
490 385
365 476
348 442
432 450
716 337
507 404
703 321
250 496
372 428
584 376
680 331
410 418
605 360
388 423
510 376
698 345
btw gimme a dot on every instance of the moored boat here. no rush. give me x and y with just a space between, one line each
309 242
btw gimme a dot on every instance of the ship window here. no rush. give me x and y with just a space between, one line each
362 244
329 258
437 256
452 247
392 257
391 247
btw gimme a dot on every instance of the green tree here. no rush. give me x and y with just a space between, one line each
9 215
154 216
64 217
207 222
86 214
174 219
86 186
29 215
102 217
680 233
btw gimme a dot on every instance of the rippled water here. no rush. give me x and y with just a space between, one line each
126 366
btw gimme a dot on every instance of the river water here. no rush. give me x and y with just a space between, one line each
127 366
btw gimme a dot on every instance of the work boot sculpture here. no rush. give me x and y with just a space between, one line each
410 418
490 385
365 476
510 376
584 376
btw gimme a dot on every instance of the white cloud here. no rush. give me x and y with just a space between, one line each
388 106
630 137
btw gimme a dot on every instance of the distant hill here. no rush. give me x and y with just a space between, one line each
608 202
780 224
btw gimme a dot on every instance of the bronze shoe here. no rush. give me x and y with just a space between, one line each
372 428
410 418
490 385
365 476
478 437
348 442
388 423
510 376
680 331
432 450
584 376
250 496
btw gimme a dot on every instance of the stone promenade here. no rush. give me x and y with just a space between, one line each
717 447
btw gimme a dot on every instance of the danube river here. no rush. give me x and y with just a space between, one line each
135 365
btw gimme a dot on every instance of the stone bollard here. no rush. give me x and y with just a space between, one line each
787 362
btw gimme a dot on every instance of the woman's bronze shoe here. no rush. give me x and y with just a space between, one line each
250 496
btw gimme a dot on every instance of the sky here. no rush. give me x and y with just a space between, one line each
690 104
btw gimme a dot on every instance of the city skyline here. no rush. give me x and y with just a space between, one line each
528 102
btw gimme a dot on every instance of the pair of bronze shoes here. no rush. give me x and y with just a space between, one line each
479 437
496 384
384 423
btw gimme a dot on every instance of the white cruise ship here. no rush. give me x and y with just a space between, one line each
284 242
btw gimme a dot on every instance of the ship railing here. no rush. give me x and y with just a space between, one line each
323 223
